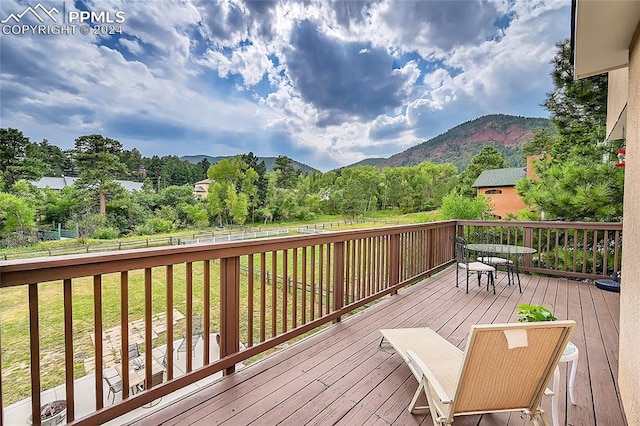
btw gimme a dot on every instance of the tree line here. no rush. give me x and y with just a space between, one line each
241 189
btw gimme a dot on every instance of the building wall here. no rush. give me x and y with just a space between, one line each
531 160
629 363
618 82
506 202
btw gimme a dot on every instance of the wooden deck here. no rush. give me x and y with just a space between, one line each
342 376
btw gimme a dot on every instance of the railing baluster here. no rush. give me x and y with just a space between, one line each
312 302
207 309
263 297
554 245
338 277
124 330
595 251
34 344
148 312
585 238
329 283
97 321
352 248
320 278
294 288
361 283
304 285
274 293
250 301
189 315
169 351
605 253
575 249
394 260
616 252
285 289
68 350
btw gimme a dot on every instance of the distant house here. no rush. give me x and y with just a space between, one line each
500 186
201 188
58 183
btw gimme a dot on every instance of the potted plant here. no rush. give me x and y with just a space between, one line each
534 313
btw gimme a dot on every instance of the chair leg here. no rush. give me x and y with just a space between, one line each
467 281
572 381
457 270
413 407
517 272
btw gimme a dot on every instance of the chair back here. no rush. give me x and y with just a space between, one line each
462 250
508 366
485 235
134 351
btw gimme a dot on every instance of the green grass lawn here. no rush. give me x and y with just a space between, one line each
14 311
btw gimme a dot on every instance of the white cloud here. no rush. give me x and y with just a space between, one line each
344 80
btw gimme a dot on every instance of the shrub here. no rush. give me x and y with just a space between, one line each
155 225
105 233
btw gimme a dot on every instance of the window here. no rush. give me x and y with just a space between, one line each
493 191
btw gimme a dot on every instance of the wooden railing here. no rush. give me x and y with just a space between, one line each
583 250
319 279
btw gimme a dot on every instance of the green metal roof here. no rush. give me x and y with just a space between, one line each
500 177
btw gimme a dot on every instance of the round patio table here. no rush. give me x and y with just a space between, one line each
501 248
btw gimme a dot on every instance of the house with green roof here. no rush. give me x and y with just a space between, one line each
499 185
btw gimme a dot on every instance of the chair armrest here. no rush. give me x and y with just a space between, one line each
431 378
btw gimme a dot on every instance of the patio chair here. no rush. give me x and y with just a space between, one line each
114 382
511 268
133 351
505 367
195 337
479 268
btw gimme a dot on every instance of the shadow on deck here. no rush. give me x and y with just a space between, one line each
342 376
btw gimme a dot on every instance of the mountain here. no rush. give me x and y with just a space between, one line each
268 161
461 143
376 161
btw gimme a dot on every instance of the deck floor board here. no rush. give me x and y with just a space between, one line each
342 375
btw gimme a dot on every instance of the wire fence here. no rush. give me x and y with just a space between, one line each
217 236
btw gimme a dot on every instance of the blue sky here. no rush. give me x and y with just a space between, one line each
327 83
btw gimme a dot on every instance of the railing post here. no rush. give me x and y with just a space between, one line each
229 308
34 337
394 260
338 277
528 242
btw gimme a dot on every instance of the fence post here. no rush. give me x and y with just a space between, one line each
229 308
338 277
